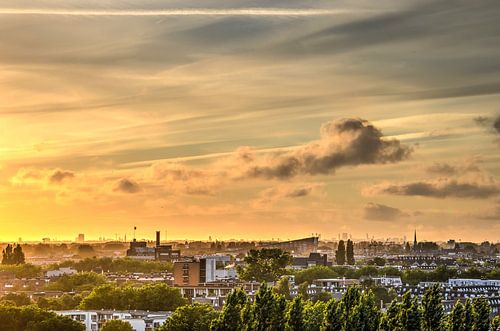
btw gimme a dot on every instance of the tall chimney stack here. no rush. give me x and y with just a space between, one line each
157 238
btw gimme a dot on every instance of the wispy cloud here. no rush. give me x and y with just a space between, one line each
176 12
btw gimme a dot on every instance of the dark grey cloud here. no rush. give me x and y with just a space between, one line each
347 142
59 176
379 212
441 188
125 185
491 123
496 124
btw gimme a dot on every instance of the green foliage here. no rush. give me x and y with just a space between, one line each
230 319
409 315
333 316
265 265
194 317
82 281
302 290
64 302
433 310
117 265
456 318
19 299
267 311
495 323
157 296
13 255
482 310
313 315
283 287
468 315
350 252
25 270
312 273
294 315
116 325
31 318
340 253
391 319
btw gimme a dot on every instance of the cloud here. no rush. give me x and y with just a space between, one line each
125 185
375 211
447 169
491 123
181 178
42 177
272 195
491 213
439 188
60 175
348 142
176 12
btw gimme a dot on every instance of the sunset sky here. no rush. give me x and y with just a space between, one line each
250 119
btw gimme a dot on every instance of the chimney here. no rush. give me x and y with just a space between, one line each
157 238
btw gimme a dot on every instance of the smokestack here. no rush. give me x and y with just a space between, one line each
157 238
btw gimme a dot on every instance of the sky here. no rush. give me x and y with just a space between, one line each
250 119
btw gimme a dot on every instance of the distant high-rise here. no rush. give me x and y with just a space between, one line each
415 243
80 238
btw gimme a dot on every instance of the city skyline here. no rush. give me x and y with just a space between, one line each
251 120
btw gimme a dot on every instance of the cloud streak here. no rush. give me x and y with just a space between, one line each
176 12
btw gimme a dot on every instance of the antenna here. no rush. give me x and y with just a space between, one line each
135 228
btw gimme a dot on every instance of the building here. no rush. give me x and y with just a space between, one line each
208 269
80 238
141 251
60 272
314 259
95 319
299 247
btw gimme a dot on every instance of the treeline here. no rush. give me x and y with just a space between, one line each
356 310
31 318
412 276
154 297
122 265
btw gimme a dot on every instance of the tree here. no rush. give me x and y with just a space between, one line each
230 319
312 273
148 297
333 317
340 253
313 315
116 325
267 311
350 252
468 315
283 287
13 255
265 265
482 310
294 316
433 310
391 319
495 323
20 299
456 319
25 318
303 289
365 314
190 317
82 281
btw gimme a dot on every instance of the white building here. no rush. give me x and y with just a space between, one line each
95 319
60 272
473 282
218 268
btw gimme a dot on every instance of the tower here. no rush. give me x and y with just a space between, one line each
415 241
